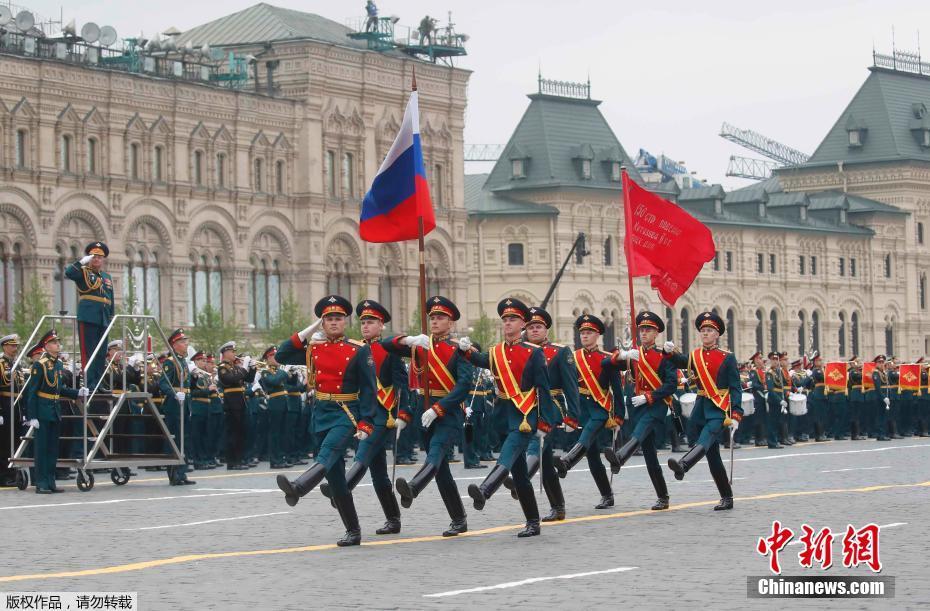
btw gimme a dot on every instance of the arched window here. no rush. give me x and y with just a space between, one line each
221 170
66 146
158 163
206 285
11 279
815 331
669 315
609 251
22 148
134 161
685 329
854 323
773 330
386 291
265 296
889 338
610 331
802 332
142 283
64 291
760 332
348 175
841 334
731 330
198 168
438 186
91 156
515 254
329 171
258 169
279 177
888 266
922 292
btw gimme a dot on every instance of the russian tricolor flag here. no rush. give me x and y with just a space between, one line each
399 194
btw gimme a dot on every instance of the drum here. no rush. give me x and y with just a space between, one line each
687 403
748 404
797 404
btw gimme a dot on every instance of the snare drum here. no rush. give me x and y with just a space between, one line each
797 404
687 403
748 404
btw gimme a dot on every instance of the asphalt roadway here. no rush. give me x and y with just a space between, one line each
231 542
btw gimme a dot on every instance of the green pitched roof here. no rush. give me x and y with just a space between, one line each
265 23
886 106
479 201
554 135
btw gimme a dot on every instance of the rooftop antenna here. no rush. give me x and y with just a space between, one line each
6 15
107 35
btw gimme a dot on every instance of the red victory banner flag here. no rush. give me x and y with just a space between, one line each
867 369
663 242
835 375
909 377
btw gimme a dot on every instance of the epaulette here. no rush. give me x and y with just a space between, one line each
44 360
223 365
555 345
355 342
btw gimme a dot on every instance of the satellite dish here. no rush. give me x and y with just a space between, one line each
168 44
70 28
189 46
5 15
90 32
154 43
205 49
25 21
107 35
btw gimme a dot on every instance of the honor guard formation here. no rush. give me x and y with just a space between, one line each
527 404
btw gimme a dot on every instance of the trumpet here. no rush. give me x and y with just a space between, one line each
263 366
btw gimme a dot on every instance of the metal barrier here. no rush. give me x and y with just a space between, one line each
103 444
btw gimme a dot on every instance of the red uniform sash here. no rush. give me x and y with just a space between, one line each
647 378
721 398
601 396
438 370
386 395
500 366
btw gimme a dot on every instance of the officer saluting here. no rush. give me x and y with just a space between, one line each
43 410
718 401
656 379
391 378
343 375
449 376
522 379
95 306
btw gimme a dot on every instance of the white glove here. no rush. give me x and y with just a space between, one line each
734 425
191 366
83 391
784 404
887 403
784 410
318 336
135 359
465 344
361 435
306 332
638 400
632 355
539 433
668 347
180 396
399 425
86 259
246 361
567 427
1 420
429 416
420 341
256 386
683 380
33 423
468 412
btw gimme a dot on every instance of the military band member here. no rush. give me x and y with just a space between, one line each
343 376
799 384
294 385
202 387
882 386
521 374
234 375
175 385
9 344
776 400
390 378
656 378
216 418
600 405
43 410
858 414
449 378
817 400
718 403
95 306
563 386
273 381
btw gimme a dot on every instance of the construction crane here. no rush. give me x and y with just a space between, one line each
745 167
483 152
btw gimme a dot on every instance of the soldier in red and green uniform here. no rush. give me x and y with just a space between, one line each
656 378
600 405
521 374
718 403
344 379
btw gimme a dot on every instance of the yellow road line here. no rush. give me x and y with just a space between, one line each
148 564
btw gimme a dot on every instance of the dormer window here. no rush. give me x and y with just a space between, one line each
803 213
718 207
586 169
761 210
516 168
920 124
855 137
583 157
843 217
856 132
518 162
615 171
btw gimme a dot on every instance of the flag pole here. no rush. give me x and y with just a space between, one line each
628 222
421 243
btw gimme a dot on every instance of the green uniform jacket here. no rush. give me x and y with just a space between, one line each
95 294
200 393
273 383
45 386
173 380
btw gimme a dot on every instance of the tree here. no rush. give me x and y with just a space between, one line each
290 319
415 328
484 332
33 304
210 330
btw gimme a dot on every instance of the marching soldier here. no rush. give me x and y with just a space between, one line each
273 381
521 373
563 382
449 376
600 405
234 374
95 306
816 400
654 384
175 385
43 410
8 420
202 387
718 403
344 378
390 378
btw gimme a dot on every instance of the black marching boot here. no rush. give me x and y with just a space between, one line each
409 490
531 511
726 491
564 463
680 467
391 512
306 482
353 476
618 458
456 511
481 494
346 507
607 493
658 482
532 466
556 502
